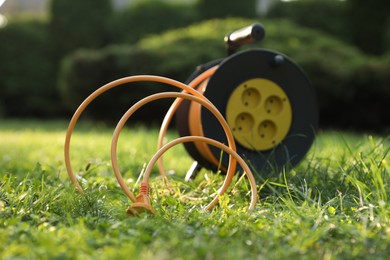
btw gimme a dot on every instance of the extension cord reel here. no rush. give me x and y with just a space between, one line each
257 106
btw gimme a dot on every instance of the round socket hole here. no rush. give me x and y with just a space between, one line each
250 97
273 105
244 122
267 130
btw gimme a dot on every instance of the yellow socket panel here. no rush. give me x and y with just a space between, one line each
259 113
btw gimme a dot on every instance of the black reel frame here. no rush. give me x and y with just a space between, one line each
236 68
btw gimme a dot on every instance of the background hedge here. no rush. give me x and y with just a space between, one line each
27 81
78 24
364 24
346 79
49 65
146 17
209 9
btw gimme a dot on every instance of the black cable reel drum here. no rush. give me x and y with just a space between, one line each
267 100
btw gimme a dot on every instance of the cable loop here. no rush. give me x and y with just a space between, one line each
141 203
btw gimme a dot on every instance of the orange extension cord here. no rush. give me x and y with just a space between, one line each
172 110
142 201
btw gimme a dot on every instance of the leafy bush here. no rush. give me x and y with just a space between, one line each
32 48
361 23
368 23
371 94
174 54
149 17
77 24
331 18
26 84
86 70
228 8
341 74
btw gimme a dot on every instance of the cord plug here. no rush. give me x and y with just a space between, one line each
142 202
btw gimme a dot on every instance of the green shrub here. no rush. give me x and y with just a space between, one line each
341 74
361 23
78 24
149 17
27 76
370 101
174 54
86 70
324 15
368 23
228 8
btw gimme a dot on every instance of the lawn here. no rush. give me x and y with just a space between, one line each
334 205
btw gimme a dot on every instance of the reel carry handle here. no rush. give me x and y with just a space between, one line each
246 35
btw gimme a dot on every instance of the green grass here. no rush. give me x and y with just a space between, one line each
334 205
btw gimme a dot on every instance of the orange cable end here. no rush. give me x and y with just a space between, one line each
142 202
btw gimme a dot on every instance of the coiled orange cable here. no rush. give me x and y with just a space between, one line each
97 93
196 96
248 172
127 115
172 110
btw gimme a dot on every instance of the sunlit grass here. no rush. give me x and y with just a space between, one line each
335 204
